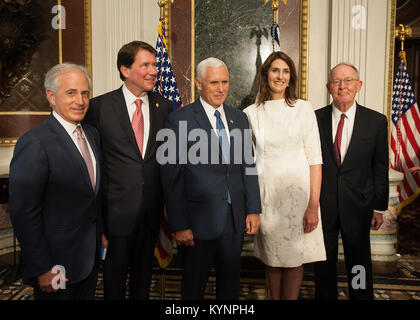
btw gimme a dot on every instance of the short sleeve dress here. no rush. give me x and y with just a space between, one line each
287 143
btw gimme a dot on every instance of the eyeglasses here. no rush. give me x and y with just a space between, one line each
347 82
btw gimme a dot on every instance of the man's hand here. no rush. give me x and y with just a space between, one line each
45 281
377 221
310 219
104 241
414 169
184 238
252 223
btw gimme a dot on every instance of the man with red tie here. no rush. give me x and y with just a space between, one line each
354 190
128 120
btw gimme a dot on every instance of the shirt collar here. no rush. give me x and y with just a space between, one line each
68 126
350 113
210 110
130 97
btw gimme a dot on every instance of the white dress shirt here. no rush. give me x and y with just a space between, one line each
131 108
71 130
347 130
210 114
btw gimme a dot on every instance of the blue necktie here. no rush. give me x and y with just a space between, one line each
224 143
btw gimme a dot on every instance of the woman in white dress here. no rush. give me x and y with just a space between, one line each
289 160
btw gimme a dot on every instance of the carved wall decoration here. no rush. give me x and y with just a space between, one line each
21 31
26 105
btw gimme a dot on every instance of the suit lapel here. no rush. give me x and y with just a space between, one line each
327 136
204 123
63 139
94 144
153 115
120 108
232 124
356 135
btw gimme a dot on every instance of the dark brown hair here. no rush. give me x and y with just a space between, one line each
128 52
264 90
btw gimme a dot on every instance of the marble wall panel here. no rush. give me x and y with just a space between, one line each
238 32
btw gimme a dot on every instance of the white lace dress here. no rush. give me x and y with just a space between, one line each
287 143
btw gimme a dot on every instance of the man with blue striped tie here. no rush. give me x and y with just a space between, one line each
210 204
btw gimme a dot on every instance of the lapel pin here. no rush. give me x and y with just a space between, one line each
231 121
157 105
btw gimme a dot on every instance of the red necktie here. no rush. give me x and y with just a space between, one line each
138 125
337 141
85 154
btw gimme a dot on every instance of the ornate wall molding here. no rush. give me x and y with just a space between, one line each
88 35
8 142
304 47
390 65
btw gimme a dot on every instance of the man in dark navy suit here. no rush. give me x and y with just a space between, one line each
211 202
54 187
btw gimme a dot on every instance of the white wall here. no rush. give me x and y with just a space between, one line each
318 59
353 31
115 23
6 154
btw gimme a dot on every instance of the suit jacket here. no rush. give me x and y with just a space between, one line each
351 192
54 210
130 183
196 194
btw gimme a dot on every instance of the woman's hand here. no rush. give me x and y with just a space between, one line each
310 219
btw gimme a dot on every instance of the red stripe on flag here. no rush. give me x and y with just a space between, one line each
410 136
165 229
415 115
162 252
409 164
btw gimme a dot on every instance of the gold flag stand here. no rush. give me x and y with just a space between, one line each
402 32
165 11
275 8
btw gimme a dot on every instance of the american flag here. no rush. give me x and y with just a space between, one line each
405 136
166 86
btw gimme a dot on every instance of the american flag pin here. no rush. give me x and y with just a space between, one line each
157 105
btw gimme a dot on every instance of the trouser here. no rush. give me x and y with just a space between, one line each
224 254
131 255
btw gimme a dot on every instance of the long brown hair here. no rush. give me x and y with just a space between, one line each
264 90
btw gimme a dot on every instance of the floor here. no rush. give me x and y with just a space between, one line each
403 284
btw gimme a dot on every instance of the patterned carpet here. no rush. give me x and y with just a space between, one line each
166 286
404 284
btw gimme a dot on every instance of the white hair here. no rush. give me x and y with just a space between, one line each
209 62
343 64
53 75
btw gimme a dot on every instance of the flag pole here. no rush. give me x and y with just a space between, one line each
163 5
402 32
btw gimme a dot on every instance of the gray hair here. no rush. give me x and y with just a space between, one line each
343 64
52 76
209 62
